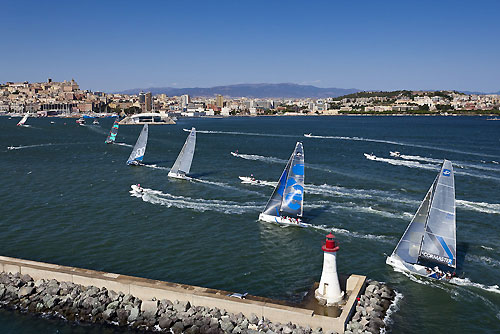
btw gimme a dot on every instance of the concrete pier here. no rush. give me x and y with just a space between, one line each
147 289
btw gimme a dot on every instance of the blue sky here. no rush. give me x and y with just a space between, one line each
372 45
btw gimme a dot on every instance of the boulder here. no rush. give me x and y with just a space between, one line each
122 316
113 305
108 314
165 323
226 325
150 308
192 330
177 328
253 319
181 306
25 291
134 313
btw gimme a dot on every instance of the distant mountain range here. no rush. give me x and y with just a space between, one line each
263 90
478 93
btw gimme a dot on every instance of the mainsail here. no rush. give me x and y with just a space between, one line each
185 158
288 195
23 120
431 234
439 242
112 134
140 147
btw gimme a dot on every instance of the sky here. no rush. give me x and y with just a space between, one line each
370 45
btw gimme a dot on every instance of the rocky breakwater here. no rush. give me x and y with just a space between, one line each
372 308
77 303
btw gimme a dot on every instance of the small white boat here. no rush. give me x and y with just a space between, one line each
52 122
395 154
137 188
235 154
248 179
182 164
370 156
308 135
95 122
80 121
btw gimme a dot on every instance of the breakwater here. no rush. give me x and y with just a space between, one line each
104 298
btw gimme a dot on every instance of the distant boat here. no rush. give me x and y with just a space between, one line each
182 165
249 179
428 246
23 120
308 135
96 121
80 121
112 133
139 149
285 206
370 156
235 154
493 119
395 154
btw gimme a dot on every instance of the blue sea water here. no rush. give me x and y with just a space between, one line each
65 198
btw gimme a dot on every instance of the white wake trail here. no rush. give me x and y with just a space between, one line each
196 204
402 144
261 158
348 233
460 164
240 133
28 146
124 144
493 208
416 164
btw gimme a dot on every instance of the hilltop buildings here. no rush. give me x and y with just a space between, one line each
66 99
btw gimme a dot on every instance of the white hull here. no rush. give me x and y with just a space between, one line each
395 154
281 220
308 135
234 154
416 269
179 176
137 189
247 179
370 156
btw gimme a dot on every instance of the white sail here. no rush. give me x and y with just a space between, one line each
23 120
140 147
182 164
431 234
439 242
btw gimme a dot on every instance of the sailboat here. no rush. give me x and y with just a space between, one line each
182 165
285 205
428 246
139 149
112 134
23 120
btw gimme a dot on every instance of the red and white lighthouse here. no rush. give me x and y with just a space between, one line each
329 291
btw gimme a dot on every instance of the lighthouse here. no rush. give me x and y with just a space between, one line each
329 291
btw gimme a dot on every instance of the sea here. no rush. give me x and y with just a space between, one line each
66 198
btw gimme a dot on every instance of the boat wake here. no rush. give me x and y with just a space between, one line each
28 146
493 208
124 144
241 133
226 186
416 164
406 163
467 282
155 166
402 144
196 204
349 233
483 260
458 163
260 158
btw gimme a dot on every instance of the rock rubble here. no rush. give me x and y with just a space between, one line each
77 303
371 309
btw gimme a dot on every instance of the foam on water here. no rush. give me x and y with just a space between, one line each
123 144
261 158
416 164
403 144
240 133
349 233
196 204
226 186
460 164
484 260
467 282
393 308
493 208
29 146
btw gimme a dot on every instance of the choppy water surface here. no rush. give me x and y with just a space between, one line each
66 199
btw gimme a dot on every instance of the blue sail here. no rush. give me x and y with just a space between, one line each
293 194
112 134
140 147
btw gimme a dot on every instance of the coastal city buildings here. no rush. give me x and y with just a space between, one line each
67 99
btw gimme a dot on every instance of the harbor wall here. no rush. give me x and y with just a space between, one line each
147 289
